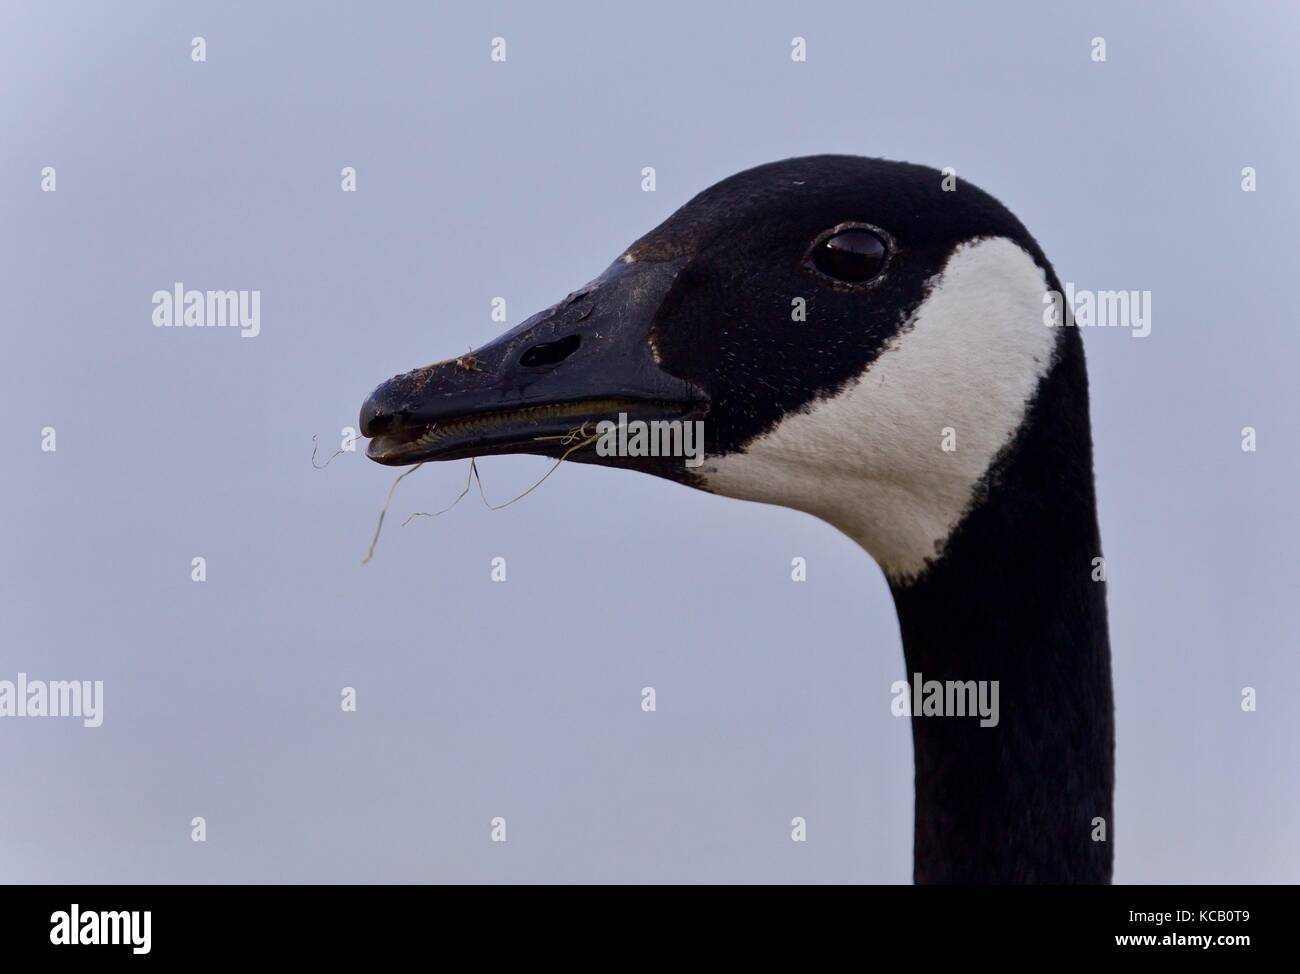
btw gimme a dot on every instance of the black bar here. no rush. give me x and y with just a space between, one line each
334 923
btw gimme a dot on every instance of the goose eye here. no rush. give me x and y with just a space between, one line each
852 256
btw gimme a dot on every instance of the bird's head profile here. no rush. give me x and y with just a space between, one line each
859 338
872 343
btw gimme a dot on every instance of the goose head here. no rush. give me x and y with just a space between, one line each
859 338
868 342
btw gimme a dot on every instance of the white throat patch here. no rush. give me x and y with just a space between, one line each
872 460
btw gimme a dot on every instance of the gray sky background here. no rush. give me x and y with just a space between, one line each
478 699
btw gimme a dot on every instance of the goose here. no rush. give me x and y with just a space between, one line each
866 342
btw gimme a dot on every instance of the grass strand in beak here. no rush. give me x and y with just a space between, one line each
380 526
497 507
473 476
468 479
322 466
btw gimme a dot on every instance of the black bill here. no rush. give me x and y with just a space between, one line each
542 387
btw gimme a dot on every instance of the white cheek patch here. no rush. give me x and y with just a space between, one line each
871 460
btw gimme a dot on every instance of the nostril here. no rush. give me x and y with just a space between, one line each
550 353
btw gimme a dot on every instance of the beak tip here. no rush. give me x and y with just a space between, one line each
367 417
380 411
